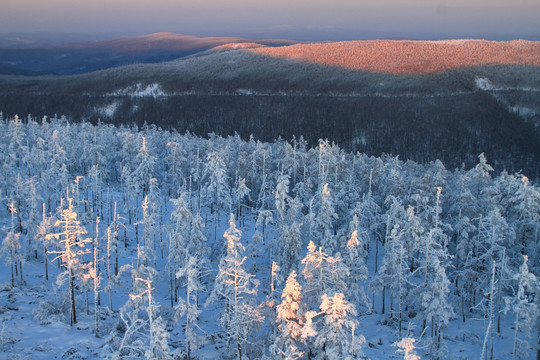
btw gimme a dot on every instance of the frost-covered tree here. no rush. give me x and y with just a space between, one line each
145 162
175 156
465 276
524 216
93 275
264 219
217 187
289 321
356 261
368 225
72 242
44 228
32 202
282 198
156 212
291 246
143 269
406 346
494 237
525 309
186 237
179 240
240 192
287 245
404 234
255 249
114 281
144 336
323 274
237 288
12 248
16 147
58 172
487 353
189 307
336 337
325 220
436 309
479 176
395 271
149 225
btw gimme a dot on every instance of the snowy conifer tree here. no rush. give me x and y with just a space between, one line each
72 249
45 227
176 154
336 336
289 319
179 240
145 163
323 274
217 187
526 311
406 346
12 248
158 347
287 245
189 306
237 288
325 219
356 262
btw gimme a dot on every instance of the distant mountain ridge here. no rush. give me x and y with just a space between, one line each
82 57
165 41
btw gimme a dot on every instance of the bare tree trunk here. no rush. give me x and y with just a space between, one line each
12 276
46 264
72 297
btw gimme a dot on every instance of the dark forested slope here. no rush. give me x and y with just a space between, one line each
452 112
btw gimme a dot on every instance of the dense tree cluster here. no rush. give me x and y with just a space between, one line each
220 223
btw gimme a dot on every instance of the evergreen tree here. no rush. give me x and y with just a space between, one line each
336 336
158 347
406 346
526 310
289 321
191 271
356 262
44 228
72 241
326 218
237 288
12 248
217 187
323 274
145 164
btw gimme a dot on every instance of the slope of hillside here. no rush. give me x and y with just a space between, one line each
411 57
452 115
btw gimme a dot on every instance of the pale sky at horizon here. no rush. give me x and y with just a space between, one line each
395 18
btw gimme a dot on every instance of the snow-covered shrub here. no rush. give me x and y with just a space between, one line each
46 312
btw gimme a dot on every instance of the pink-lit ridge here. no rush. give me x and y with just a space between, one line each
410 57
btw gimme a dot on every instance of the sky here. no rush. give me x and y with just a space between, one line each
330 19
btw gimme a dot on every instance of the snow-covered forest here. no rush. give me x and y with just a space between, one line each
125 242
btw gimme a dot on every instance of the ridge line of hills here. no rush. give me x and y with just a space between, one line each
452 101
73 58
